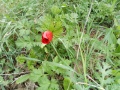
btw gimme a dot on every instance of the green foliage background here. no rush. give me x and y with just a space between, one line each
83 55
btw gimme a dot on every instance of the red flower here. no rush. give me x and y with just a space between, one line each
47 37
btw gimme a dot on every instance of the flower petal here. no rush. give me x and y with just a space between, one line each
47 37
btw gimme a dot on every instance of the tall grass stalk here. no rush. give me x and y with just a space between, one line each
79 51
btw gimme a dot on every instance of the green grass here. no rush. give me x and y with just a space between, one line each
83 55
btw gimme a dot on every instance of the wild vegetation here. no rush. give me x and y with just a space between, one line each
59 44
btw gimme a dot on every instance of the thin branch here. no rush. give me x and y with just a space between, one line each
93 80
14 73
82 83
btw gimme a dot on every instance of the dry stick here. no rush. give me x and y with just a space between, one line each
18 77
92 80
15 80
14 73
79 48
95 82
82 83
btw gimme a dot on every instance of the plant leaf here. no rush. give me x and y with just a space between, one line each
22 78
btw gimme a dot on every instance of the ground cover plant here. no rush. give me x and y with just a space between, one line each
59 44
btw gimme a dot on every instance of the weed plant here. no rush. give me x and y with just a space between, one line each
84 53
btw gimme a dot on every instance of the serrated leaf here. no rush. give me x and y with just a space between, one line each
32 53
2 82
53 85
44 83
36 44
20 59
56 59
35 75
22 78
118 27
45 22
105 71
74 15
54 25
116 74
118 41
55 9
22 43
24 32
110 37
113 86
67 83
66 62
108 81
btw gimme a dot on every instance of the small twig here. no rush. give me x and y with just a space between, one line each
15 80
14 73
93 80
82 83
18 77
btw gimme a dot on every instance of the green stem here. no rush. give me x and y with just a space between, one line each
56 51
84 64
